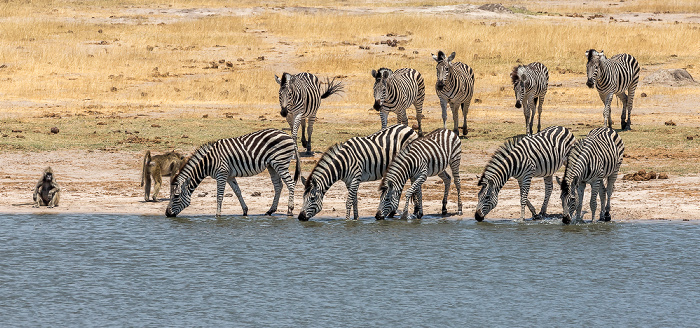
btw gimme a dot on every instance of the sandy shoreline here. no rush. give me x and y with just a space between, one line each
101 182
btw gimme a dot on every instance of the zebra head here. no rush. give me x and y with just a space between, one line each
443 68
285 93
313 200
179 195
388 201
568 199
520 83
488 198
380 86
592 66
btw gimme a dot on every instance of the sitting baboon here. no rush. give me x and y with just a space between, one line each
158 166
47 192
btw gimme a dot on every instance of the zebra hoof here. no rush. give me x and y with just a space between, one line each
537 217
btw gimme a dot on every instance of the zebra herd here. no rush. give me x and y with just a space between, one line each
397 153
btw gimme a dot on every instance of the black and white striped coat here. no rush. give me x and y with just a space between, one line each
300 96
356 160
530 86
536 155
430 155
244 156
396 91
596 161
618 76
454 86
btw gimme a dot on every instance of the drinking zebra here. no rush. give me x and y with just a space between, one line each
530 86
244 156
396 91
300 96
536 155
454 86
595 160
430 155
613 76
357 160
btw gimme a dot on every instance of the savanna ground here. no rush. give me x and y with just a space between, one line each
119 77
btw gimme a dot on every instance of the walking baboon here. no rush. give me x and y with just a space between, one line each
47 192
157 167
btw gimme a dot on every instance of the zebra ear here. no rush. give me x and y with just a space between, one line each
385 74
374 74
558 180
452 56
601 54
435 58
303 180
277 79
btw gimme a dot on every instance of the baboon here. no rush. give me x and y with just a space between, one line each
157 167
47 192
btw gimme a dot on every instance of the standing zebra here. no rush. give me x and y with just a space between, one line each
611 77
427 156
357 160
396 91
536 155
300 96
454 86
226 159
595 160
530 86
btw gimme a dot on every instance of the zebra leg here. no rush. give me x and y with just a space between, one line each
351 202
524 201
419 114
277 185
220 188
607 100
418 203
282 169
595 187
539 114
579 204
415 187
609 190
443 106
455 116
295 126
309 131
526 113
402 117
455 175
623 117
547 194
602 194
447 181
303 132
234 185
630 101
465 110
384 116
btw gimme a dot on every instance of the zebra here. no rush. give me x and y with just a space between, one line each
396 91
454 86
611 77
524 157
357 160
300 96
244 156
595 160
427 156
530 86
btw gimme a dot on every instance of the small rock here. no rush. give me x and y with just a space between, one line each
113 89
205 116
662 176
228 195
689 137
204 194
101 123
17 131
256 194
155 125
184 136
670 123
643 95
54 130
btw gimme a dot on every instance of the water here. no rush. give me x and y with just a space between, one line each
278 272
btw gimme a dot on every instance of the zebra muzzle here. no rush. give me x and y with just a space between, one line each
440 85
379 216
478 216
590 83
518 104
302 216
377 105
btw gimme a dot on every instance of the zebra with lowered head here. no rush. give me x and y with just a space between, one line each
530 86
430 155
357 160
613 77
395 91
300 96
536 155
594 160
454 86
244 156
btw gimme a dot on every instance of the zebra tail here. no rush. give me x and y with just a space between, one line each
332 88
144 171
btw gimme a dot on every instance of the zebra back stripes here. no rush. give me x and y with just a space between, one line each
396 91
356 160
537 155
596 161
454 86
430 155
618 76
530 86
300 97
244 156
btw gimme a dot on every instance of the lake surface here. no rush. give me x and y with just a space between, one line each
105 270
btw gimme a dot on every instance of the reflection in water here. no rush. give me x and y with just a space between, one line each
276 271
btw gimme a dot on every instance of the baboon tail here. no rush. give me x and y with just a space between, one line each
297 170
144 171
332 88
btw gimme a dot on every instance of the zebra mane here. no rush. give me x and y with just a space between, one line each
331 152
574 154
502 152
197 154
590 54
